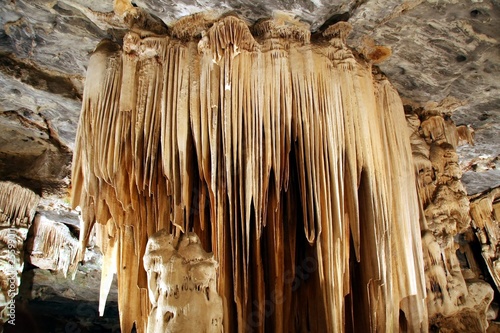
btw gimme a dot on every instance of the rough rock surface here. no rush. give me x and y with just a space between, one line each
439 49
51 302
17 209
52 246
442 49
485 213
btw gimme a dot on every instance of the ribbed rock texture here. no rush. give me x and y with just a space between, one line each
439 49
17 209
52 246
485 213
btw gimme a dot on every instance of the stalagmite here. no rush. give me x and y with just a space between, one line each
283 153
454 304
17 209
181 283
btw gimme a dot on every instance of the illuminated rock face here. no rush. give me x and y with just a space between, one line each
452 52
181 283
17 209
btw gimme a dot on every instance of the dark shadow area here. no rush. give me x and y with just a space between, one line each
48 302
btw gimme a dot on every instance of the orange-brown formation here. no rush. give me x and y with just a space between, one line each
285 156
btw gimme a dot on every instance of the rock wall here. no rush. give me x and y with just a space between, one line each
485 213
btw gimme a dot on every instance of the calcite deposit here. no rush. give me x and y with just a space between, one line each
485 213
52 246
454 303
262 141
182 285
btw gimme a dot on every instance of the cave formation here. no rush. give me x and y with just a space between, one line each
257 177
284 155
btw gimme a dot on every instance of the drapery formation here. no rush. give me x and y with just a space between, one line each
288 158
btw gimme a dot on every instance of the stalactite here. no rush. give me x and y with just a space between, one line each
285 156
17 209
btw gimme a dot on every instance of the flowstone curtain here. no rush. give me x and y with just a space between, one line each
283 153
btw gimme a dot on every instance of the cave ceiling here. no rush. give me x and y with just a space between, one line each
445 55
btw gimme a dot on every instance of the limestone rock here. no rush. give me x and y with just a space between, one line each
439 49
472 313
261 140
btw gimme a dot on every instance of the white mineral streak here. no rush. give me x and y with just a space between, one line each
17 209
276 175
182 285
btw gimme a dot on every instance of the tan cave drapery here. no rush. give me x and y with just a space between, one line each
285 155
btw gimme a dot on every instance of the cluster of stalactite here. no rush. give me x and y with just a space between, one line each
17 209
453 304
284 155
485 213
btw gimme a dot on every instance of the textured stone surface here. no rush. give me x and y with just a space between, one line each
50 302
445 48
52 246
439 49
181 285
442 49
457 300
